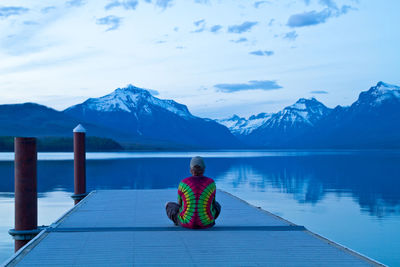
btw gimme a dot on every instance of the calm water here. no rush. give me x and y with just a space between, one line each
351 197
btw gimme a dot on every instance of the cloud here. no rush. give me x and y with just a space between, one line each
328 3
344 9
176 29
259 3
271 22
75 3
164 3
199 22
47 9
161 3
309 18
314 18
291 36
244 27
251 85
6 11
199 30
307 2
200 25
319 92
202 1
240 40
112 5
262 53
111 21
128 4
215 28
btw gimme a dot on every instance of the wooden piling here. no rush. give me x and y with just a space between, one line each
25 189
79 164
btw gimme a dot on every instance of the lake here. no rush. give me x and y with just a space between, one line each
351 197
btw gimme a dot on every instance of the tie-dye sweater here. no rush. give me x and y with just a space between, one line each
196 195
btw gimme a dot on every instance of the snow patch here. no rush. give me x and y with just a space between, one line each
243 126
384 91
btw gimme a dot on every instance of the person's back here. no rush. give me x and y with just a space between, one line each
197 195
196 207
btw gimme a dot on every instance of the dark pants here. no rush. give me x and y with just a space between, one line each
172 209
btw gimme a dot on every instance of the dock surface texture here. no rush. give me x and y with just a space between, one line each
130 228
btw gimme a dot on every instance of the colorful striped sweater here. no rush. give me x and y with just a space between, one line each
196 195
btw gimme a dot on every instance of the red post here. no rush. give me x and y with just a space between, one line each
79 164
25 189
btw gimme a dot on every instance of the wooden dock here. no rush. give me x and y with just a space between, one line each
130 228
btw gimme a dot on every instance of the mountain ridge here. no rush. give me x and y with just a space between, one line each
134 117
127 99
139 114
308 123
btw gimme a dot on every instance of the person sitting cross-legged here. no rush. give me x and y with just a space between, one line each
196 207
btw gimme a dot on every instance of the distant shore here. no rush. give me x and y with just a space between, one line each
100 144
64 144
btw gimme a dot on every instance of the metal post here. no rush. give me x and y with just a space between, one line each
25 191
79 164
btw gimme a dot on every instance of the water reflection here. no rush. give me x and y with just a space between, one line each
372 179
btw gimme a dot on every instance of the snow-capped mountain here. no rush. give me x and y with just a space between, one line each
371 121
270 129
378 95
304 113
133 117
133 100
136 112
242 126
286 124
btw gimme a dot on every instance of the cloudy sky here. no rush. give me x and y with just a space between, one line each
218 57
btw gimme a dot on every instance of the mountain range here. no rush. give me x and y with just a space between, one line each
143 117
131 116
373 121
136 119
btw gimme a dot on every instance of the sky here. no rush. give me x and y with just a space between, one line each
218 57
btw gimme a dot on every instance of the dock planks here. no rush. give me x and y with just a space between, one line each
130 228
